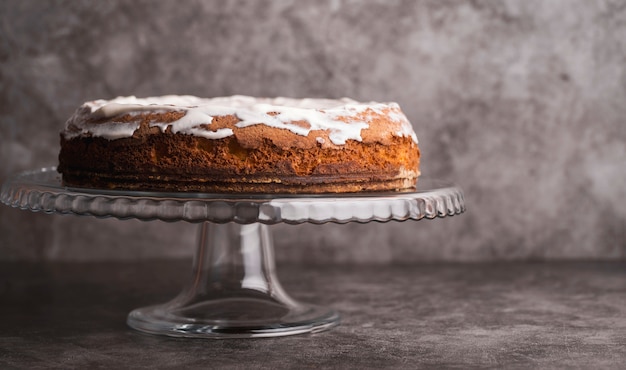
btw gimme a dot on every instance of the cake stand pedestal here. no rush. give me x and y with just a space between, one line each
233 291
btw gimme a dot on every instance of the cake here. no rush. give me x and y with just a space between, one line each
239 144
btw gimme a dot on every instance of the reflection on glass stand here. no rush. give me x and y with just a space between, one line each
233 291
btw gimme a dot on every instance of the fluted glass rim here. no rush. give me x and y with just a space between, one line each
41 191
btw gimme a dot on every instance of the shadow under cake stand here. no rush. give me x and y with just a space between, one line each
233 291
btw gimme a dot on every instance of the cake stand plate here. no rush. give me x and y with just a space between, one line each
233 291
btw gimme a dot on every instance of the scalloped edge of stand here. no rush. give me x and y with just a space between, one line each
41 191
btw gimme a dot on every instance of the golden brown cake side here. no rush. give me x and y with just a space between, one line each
251 158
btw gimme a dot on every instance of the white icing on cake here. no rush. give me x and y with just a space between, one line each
342 118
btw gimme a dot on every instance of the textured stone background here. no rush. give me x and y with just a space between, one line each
522 103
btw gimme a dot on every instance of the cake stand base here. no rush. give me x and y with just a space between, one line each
233 292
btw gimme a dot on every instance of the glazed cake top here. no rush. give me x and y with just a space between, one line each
339 120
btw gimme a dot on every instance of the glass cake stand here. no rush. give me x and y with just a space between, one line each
233 291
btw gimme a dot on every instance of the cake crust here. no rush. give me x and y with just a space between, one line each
222 155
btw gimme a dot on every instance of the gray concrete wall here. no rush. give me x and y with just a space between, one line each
522 103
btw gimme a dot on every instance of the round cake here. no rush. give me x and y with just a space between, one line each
239 144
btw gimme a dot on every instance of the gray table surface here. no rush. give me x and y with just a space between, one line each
497 315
